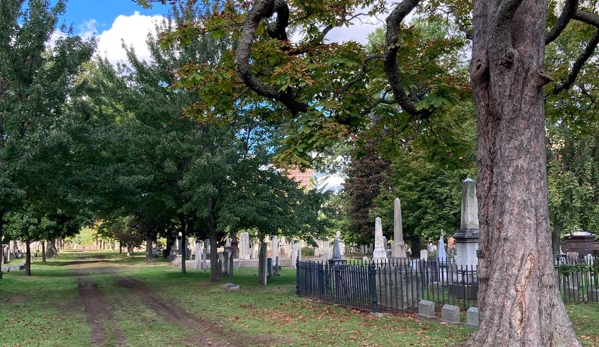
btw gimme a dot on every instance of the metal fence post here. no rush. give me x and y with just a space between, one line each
372 280
298 292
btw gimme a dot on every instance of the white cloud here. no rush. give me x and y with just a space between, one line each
133 30
56 35
357 32
331 182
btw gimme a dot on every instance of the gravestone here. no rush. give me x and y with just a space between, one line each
467 238
337 258
294 250
205 254
450 314
379 253
223 263
230 263
472 317
230 286
423 254
441 253
244 246
269 267
426 310
465 285
399 245
198 252
255 250
274 247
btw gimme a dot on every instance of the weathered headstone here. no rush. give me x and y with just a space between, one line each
269 267
423 254
294 251
255 249
472 317
379 253
450 314
274 247
230 286
231 264
426 309
198 254
205 254
244 246
223 262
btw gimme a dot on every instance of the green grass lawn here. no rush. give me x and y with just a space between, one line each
46 310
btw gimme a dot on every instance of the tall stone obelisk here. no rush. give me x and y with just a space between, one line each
399 246
467 238
379 245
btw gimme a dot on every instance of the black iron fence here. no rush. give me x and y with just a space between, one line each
398 284
578 278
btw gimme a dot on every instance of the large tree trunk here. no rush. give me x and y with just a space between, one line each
149 254
51 251
519 303
44 252
27 258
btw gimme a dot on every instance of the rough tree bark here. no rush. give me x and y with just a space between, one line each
27 258
149 246
51 251
44 252
519 302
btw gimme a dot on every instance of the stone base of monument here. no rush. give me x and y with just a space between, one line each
463 291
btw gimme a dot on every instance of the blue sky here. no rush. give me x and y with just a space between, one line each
104 12
112 21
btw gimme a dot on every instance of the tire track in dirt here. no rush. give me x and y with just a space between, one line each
197 327
99 310
99 313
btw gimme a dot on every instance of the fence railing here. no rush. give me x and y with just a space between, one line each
398 284
578 278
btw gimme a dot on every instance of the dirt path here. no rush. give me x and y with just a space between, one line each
99 313
99 309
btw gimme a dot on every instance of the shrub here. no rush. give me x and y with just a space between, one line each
307 252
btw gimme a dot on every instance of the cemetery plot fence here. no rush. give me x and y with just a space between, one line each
578 278
398 284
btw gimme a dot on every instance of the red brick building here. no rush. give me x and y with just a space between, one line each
304 178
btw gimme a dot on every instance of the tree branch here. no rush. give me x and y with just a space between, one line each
383 100
278 29
390 57
578 64
569 10
506 10
260 10
362 69
587 17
